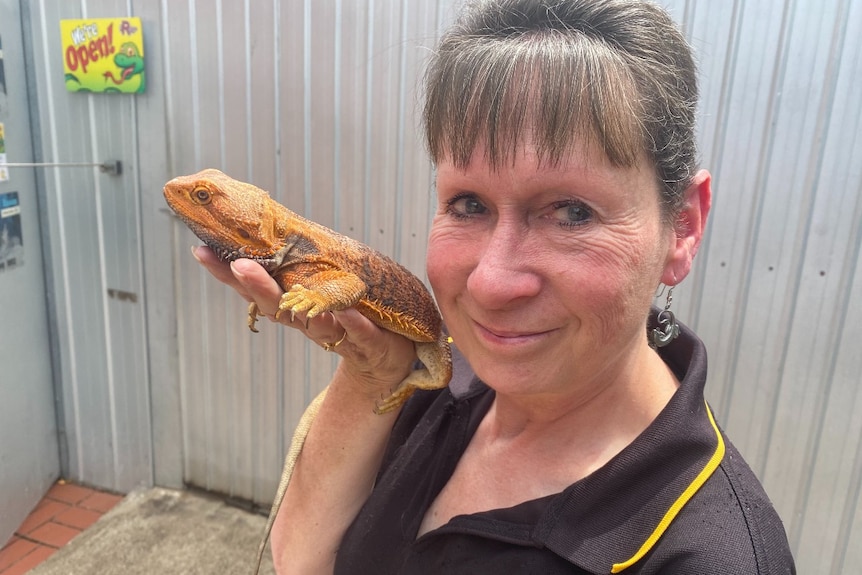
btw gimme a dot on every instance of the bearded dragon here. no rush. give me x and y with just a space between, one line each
320 270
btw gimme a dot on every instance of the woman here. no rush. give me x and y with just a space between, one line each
569 441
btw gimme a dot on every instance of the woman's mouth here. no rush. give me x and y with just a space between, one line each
497 335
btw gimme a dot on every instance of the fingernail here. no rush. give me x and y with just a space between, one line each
195 253
236 272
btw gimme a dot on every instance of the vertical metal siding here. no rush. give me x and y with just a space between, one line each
316 101
773 291
93 222
340 79
29 454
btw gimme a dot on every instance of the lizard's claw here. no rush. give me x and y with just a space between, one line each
300 299
253 313
395 400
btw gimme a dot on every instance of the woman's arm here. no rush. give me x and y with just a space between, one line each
342 452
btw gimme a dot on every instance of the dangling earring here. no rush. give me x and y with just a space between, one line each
668 329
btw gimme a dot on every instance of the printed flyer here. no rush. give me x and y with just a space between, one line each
4 171
4 104
11 238
2 72
104 55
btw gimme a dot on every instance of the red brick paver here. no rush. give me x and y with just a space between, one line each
100 501
66 510
30 561
43 513
16 550
77 517
69 493
53 534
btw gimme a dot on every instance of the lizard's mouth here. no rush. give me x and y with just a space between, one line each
230 252
269 262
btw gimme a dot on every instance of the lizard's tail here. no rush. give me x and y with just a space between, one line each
293 452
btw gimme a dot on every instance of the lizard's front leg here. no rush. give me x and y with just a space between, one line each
322 291
436 358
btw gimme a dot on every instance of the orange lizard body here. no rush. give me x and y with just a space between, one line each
319 269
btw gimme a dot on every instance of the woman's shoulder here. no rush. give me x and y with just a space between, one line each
729 526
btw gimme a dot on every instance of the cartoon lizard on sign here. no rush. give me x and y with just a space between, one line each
131 63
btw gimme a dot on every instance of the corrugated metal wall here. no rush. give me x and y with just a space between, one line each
313 101
776 293
316 102
91 226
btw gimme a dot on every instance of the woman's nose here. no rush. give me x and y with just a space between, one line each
505 272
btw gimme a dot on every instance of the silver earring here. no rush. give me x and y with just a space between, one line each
668 329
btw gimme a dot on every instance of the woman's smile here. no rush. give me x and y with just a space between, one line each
511 337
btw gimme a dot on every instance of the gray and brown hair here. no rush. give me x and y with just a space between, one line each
617 72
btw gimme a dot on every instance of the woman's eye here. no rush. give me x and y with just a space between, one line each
572 214
465 206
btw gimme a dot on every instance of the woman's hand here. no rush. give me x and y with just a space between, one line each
344 447
376 358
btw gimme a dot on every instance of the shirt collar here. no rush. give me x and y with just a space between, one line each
610 519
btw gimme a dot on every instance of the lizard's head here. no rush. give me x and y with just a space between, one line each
233 218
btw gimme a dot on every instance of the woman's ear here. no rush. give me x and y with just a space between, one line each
688 229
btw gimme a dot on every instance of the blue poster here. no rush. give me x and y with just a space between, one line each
11 238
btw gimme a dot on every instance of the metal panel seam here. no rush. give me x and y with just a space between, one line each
336 177
103 282
848 514
717 146
139 233
279 336
369 117
37 145
719 142
833 67
399 147
61 241
306 108
221 83
249 149
760 184
193 57
168 84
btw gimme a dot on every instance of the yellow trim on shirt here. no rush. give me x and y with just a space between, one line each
695 485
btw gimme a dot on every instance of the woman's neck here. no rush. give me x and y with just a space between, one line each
595 419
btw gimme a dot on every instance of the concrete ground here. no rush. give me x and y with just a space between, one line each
167 532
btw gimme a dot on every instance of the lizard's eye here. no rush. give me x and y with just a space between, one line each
202 195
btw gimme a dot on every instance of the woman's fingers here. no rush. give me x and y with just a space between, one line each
372 353
257 285
245 276
224 272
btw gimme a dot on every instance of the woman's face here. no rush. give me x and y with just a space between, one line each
545 275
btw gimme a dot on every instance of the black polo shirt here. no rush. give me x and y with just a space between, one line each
678 500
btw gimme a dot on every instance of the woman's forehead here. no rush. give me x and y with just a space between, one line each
585 166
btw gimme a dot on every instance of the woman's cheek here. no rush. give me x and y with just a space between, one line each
448 249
